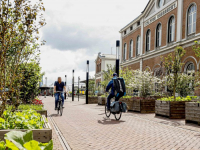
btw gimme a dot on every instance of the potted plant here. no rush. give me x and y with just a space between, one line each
144 82
181 83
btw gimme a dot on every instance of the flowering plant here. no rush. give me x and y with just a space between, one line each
144 82
37 102
186 83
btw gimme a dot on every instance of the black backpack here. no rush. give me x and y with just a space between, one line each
119 85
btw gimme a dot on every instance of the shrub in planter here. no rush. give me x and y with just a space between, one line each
28 119
102 100
174 109
92 99
17 140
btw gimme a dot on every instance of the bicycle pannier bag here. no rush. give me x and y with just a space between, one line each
114 107
119 86
124 107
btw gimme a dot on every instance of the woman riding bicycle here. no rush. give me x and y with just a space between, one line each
58 86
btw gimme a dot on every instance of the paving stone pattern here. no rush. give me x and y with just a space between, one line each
85 127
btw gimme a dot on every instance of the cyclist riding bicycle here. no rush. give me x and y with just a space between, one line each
58 86
114 88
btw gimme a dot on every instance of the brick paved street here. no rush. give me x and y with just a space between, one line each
85 127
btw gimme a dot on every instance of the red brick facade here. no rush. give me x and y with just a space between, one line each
151 60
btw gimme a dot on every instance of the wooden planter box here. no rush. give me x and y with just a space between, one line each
93 100
172 110
102 100
192 112
41 135
128 101
144 105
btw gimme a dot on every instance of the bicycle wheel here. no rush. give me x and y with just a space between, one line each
61 108
108 113
118 115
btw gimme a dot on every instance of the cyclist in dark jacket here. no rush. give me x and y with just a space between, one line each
112 93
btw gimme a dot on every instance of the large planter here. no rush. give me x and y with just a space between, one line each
41 135
170 109
93 100
102 100
192 112
128 101
144 105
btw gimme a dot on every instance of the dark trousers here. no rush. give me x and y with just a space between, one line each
57 98
110 96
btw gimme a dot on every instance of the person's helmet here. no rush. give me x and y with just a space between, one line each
114 74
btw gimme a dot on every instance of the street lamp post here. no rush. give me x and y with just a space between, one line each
87 81
72 85
117 57
65 85
78 87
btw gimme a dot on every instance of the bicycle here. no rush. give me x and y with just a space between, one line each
116 114
60 104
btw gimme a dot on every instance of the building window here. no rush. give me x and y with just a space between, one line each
192 19
131 28
124 32
158 35
160 3
171 29
125 51
138 23
138 46
131 49
148 40
189 68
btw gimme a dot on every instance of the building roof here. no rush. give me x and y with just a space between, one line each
135 18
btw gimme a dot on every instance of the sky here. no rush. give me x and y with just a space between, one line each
77 30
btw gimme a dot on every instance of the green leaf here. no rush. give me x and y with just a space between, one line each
19 138
2 145
32 145
11 146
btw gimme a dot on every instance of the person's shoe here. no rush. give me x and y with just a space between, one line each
108 109
63 107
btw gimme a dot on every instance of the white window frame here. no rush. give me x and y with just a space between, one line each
125 51
131 49
137 45
171 35
160 35
148 33
193 20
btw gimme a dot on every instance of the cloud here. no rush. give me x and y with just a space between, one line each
60 63
67 37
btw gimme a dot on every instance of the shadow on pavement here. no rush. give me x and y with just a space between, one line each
107 121
55 115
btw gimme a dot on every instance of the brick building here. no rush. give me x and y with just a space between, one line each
163 25
101 63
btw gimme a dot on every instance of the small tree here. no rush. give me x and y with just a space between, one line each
91 86
173 66
107 75
31 75
128 76
20 21
144 82
186 83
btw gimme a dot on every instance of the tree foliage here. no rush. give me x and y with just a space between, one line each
31 75
173 67
20 21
